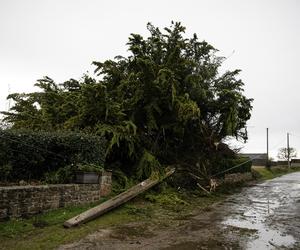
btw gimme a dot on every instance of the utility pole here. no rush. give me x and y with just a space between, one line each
288 149
9 100
267 147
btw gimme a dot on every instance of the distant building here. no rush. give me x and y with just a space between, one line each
282 163
295 163
258 159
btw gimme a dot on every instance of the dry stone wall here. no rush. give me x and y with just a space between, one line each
17 201
237 177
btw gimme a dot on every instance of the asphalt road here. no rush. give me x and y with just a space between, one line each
271 210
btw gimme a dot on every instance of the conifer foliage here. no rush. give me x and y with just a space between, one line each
164 103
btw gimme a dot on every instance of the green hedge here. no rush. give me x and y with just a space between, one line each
26 155
238 165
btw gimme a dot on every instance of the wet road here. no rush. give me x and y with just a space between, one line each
264 216
271 210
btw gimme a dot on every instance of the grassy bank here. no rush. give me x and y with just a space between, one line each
263 173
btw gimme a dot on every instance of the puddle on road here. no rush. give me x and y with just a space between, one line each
264 238
262 209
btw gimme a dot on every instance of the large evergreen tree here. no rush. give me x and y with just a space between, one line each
165 103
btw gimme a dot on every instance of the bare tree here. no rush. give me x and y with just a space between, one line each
283 153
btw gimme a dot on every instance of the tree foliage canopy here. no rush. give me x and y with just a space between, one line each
163 102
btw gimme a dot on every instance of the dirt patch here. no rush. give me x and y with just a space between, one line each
191 232
132 230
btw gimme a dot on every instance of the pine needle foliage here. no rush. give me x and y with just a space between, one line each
164 101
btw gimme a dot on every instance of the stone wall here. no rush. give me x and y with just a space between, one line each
105 183
237 177
17 201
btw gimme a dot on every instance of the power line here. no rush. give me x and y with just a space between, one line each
22 152
236 166
283 140
30 146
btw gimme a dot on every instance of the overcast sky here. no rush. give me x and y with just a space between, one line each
60 38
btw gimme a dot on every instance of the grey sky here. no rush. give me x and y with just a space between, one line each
60 38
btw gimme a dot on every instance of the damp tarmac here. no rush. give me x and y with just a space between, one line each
272 209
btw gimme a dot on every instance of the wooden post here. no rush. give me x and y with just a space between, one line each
288 150
267 164
115 202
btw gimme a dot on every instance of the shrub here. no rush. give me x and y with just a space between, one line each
62 175
32 155
233 165
244 163
88 167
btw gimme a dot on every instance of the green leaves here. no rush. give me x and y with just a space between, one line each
29 154
122 133
165 100
147 165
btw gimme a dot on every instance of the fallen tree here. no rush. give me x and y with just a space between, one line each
164 103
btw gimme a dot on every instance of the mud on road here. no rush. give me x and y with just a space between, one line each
264 216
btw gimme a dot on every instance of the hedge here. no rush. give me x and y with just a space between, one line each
230 166
26 155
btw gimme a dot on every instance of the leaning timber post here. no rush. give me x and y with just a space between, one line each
116 201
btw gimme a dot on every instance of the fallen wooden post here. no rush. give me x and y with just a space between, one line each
116 201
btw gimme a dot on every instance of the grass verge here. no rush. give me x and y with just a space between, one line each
263 173
46 231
